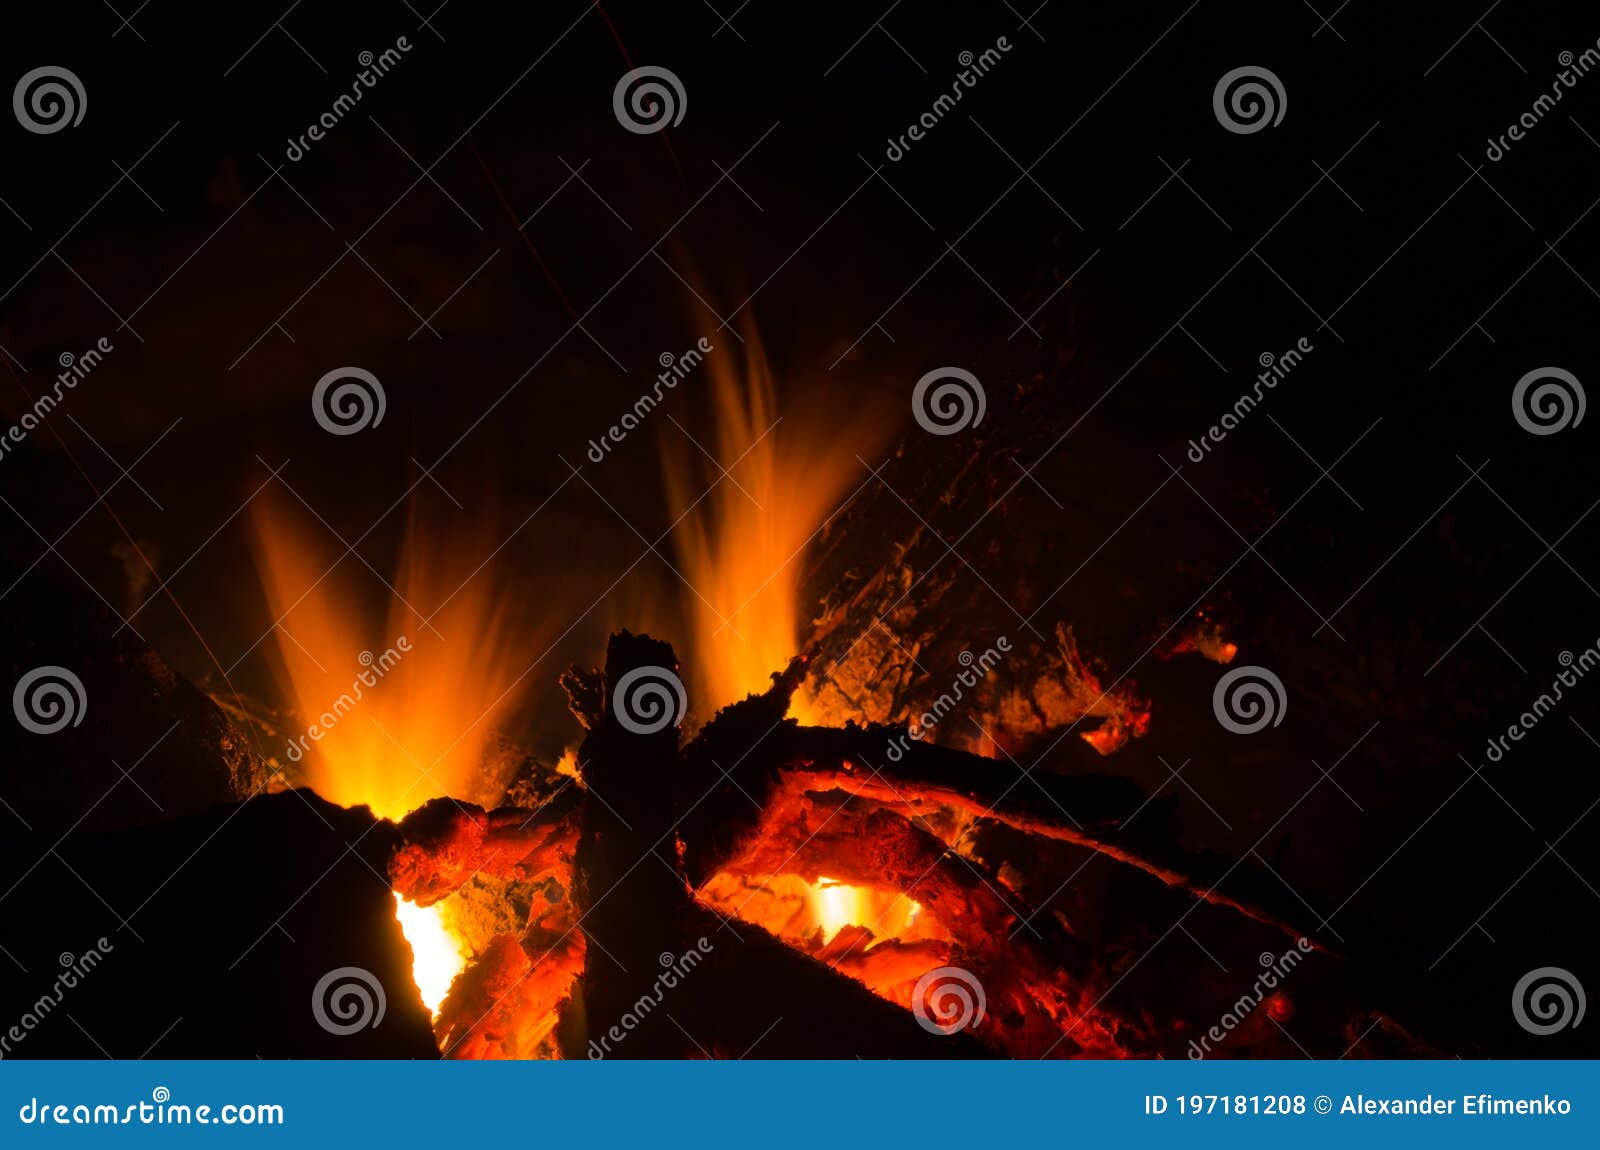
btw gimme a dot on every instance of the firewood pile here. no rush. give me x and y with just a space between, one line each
624 861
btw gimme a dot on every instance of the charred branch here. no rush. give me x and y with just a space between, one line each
929 777
738 762
628 889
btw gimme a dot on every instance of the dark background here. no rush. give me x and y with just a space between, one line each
1369 222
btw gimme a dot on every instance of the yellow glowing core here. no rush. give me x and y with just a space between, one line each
838 905
437 955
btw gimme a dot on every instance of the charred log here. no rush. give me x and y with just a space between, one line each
756 997
630 895
1037 977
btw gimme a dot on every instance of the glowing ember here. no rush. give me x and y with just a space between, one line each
796 910
1204 637
437 955
838 905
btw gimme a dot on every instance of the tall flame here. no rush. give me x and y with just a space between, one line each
407 725
742 546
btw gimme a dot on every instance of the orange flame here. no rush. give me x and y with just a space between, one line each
742 546
408 724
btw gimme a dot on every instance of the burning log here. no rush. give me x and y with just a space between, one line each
506 1003
889 963
509 1002
1035 975
445 843
935 777
769 753
638 913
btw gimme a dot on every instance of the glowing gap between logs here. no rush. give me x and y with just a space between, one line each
437 954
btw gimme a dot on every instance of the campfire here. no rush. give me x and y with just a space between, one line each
852 808
608 589
797 824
